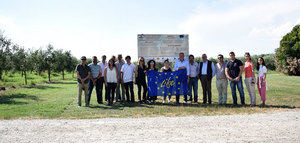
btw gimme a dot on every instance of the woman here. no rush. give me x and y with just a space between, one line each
140 79
261 79
250 78
166 68
110 78
151 66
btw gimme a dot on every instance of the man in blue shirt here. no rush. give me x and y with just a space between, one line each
181 63
96 73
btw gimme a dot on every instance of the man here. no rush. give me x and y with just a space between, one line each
182 64
233 71
221 80
119 65
83 73
206 73
193 79
127 72
103 64
96 74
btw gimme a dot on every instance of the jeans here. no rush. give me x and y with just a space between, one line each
239 85
118 91
128 85
98 93
111 87
193 85
222 85
250 84
140 84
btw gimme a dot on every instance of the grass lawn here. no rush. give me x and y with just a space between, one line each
59 100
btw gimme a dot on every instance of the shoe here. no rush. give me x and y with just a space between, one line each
79 105
164 101
149 102
169 101
184 102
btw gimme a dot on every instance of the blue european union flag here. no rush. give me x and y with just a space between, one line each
167 83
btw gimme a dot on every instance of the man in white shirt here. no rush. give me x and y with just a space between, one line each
206 73
127 72
103 64
182 64
193 81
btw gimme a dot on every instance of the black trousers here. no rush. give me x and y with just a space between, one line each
101 88
111 88
128 85
206 88
140 84
178 98
98 90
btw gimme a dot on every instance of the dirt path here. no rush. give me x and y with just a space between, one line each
272 127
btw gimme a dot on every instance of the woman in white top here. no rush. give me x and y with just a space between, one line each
110 78
261 79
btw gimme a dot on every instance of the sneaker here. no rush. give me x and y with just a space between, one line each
169 101
184 102
79 105
164 101
149 102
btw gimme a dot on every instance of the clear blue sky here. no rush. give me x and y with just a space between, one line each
97 27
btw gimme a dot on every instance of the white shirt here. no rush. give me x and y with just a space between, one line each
103 67
111 75
262 70
128 71
193 69
184 63
204 68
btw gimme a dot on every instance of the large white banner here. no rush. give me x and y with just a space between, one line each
162 46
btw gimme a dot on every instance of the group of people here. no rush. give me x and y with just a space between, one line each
119 78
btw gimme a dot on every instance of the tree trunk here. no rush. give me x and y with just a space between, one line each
49 75
25 77
22 73
63 75
0 74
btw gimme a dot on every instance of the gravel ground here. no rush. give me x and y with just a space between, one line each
270 127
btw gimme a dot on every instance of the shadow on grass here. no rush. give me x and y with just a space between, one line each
213 105
61 82
121 106
10 99
216 105
41 86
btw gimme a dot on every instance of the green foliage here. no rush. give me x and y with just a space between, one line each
18 59
287 57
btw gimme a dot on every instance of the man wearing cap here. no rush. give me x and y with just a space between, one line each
96 73
83 73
